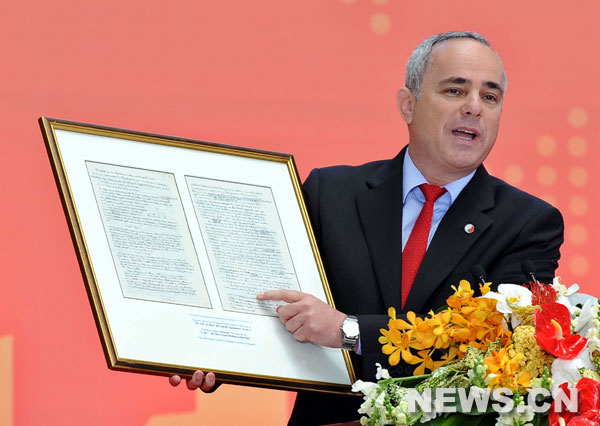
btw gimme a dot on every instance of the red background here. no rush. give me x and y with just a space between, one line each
315 78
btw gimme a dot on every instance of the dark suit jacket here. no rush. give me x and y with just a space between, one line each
356 213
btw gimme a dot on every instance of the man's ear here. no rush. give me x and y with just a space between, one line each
406 103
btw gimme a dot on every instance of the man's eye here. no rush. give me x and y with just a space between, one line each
453 91
490 98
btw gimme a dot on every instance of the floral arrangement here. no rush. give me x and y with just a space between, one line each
521 356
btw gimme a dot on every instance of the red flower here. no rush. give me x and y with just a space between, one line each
588 407
541 293
582 421
589 418
588 395
553 331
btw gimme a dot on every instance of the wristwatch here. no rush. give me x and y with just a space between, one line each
350 332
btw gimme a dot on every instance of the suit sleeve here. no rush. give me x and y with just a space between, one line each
369 324
538 241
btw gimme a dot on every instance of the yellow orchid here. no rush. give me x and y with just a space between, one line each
504 371
485 289
433 332
399 336
461 295
424 361
468 321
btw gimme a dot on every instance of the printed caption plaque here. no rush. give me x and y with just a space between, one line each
175 238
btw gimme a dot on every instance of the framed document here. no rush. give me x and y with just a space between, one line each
175 238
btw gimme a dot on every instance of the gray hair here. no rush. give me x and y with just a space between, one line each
419 59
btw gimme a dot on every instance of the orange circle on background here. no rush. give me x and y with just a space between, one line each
514 174
577 146
546 145
578 234
547 175
579 265
578 117
380 23
578 176
578 205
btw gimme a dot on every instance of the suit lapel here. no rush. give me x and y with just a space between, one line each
380 211
450 242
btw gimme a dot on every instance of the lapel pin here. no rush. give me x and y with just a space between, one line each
469 228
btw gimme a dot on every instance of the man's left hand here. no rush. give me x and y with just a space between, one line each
308 318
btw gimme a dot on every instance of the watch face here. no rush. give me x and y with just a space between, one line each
351 328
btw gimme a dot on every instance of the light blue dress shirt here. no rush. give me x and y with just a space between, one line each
414 199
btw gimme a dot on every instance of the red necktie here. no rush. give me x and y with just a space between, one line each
415 248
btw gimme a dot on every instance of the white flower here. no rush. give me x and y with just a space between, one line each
593 345
516 417
427 416
400 417
365 387
382 373
562 290
563 293
367 407
567 370
370 391
380 405
587 318
400 414
375 395
510 296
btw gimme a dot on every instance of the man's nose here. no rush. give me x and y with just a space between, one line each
472 106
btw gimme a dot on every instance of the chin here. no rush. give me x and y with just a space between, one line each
466 167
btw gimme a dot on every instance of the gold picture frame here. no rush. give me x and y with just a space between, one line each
175 237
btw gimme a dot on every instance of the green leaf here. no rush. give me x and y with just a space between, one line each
411 381
540 419
458 419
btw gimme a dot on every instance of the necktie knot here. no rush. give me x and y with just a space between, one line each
431 192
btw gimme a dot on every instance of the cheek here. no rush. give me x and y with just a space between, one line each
491 139
431 115
493 124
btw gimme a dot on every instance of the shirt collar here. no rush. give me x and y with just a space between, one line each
412 177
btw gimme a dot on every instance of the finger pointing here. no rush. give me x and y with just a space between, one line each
289 296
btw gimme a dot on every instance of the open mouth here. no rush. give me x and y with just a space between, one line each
465 134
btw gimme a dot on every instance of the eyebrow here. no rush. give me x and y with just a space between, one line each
455 80
462 80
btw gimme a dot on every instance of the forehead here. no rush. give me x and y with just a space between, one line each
463 58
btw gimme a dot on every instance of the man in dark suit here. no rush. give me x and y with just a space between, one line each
452 103
509 226
364 217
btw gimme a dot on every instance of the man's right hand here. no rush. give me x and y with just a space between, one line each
205 382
